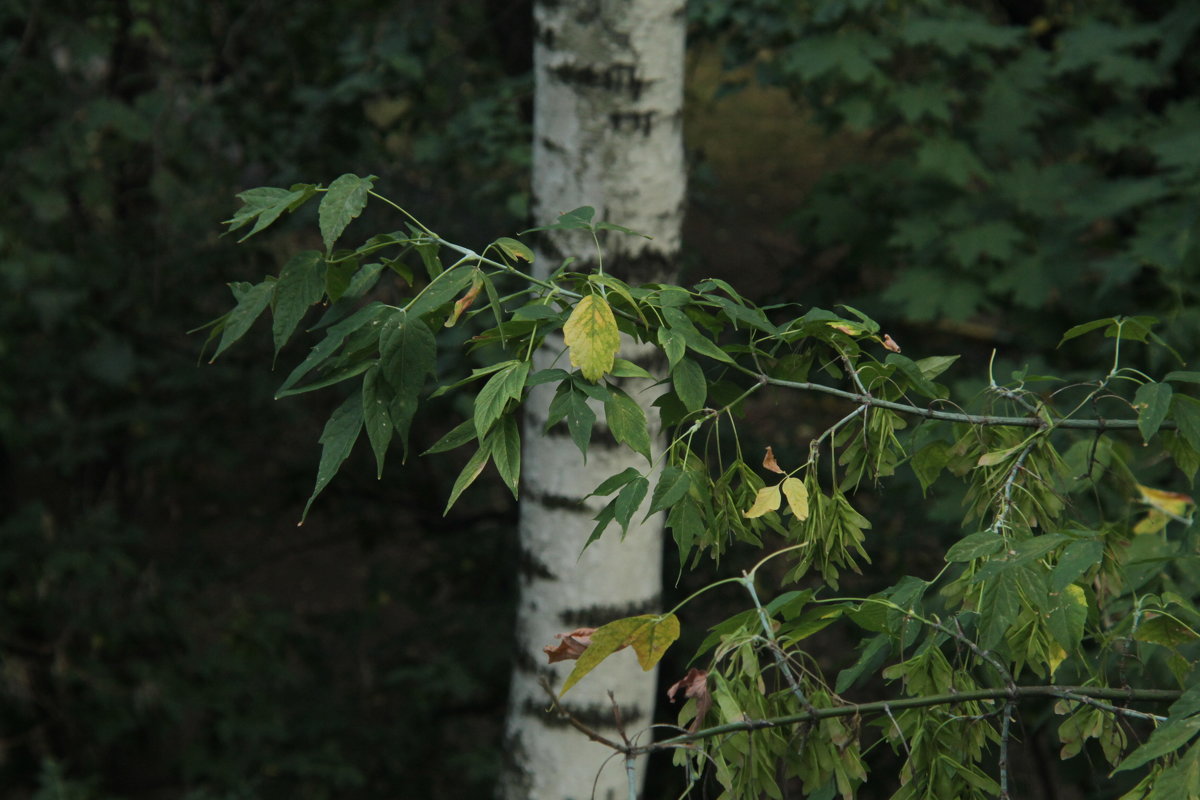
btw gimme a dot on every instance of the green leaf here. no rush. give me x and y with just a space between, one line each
929 462
343 201
998 609
338 278
518 251
1183 377
441 290
334 338
672 485
1186 412
468 475
873 655
1086 327
694 339
579 219
593 338
1076 559
505 442
376 418
571 403
251 301
337 440
458 436
628 369
301 284
507 384
627 422
672 344
690 384
628 501
916 378
1068 613
1174 734
407 354
614 482
975 546
1152 401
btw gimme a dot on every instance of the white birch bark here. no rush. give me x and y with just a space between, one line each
607 133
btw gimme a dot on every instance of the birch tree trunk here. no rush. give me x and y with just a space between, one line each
607 133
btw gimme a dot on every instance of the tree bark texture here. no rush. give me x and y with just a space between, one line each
607 133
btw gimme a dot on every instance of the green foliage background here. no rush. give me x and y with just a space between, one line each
1014 168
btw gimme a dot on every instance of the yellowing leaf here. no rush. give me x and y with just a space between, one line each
592 336
465 301
653 639
768 499
1056 656
1164 507
649 635
797 497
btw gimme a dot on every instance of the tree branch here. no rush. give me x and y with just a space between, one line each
951 416
1008 693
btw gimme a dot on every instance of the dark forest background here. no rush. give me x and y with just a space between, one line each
978 175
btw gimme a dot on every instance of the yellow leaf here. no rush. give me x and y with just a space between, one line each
797 497
591 334
768 499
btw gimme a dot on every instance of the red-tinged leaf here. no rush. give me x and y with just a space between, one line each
770 463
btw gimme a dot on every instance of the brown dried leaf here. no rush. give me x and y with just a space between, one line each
694 684
572 645
770 463
890 344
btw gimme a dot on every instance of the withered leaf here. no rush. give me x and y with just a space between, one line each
770 463
890 344
570 646
694 685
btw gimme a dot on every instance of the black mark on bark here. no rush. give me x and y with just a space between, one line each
621 78
633 121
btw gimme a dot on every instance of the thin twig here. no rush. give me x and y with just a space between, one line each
576 724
